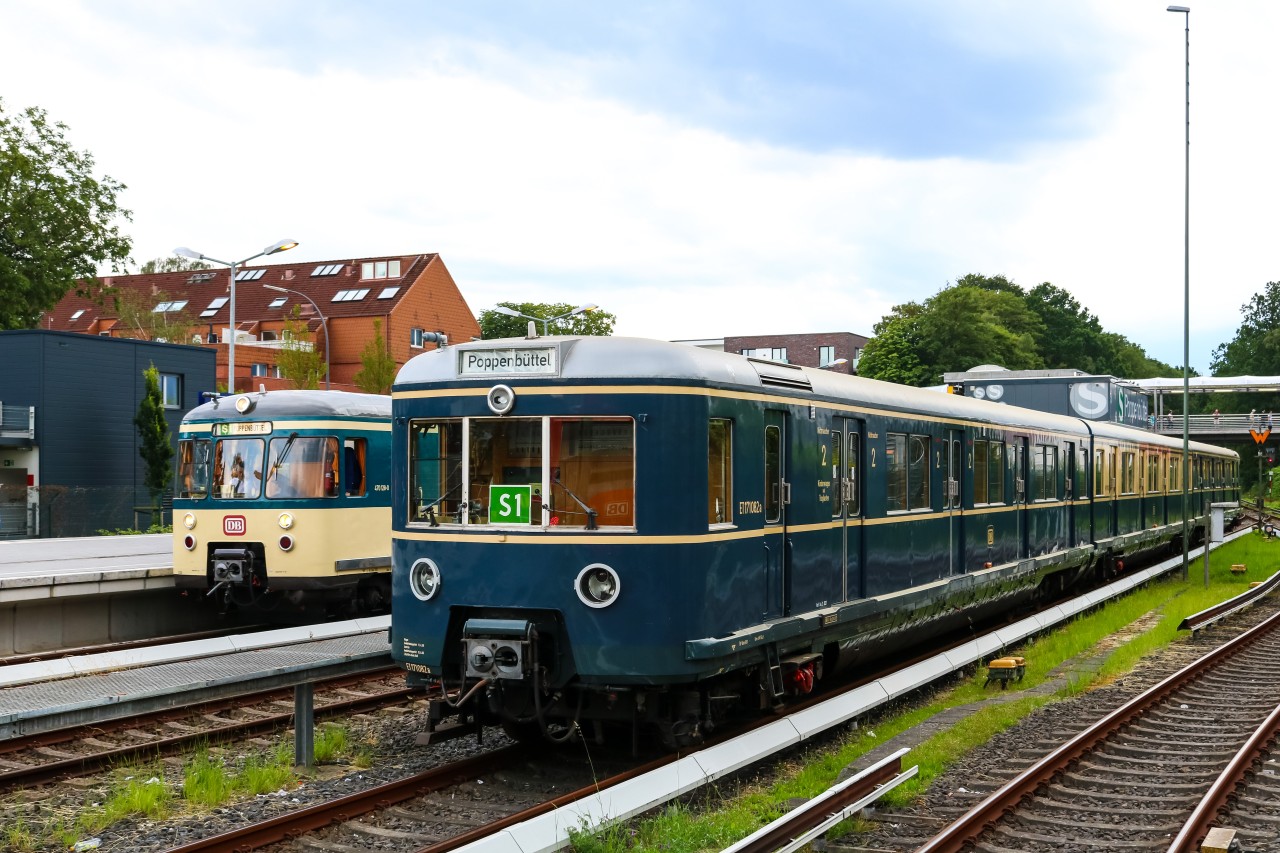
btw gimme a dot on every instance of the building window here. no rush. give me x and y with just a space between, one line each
171 390
76 316
214 307
250 275
326 269
278 302
165 307
826 355
269 335
388 292
350 295
380 269
415 338
771 353
257 369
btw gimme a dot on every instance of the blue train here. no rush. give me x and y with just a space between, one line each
283 502
622 532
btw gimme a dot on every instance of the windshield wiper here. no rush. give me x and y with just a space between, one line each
591 513
284 454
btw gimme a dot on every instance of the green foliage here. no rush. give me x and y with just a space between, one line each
299 359
1254 351
172 263
143 794
140 320
205 781
496 325
991 320
331 742
156 447
133 531
56 217
377 367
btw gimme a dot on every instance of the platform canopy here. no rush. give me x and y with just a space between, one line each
1207 384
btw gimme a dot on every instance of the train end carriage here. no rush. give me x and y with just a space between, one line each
614 530
282 503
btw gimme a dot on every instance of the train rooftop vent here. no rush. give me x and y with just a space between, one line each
781 375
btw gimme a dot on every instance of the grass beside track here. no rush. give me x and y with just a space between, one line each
723 816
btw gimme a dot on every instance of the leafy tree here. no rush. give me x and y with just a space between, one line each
139 319
377 367
173 263
1072 336
299 359
1254 351
893 354
156 447
496 325
56 217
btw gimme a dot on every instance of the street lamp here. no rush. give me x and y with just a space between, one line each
184 252
511 312
1186 304
323 322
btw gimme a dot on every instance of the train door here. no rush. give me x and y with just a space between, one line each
847 436
776 497
1069 475
952 503
1020 496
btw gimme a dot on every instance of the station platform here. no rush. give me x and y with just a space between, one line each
35 569
48 695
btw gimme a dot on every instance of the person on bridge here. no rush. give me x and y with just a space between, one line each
1253 417
1217 417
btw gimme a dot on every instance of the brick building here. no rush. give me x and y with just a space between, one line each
811 350
410 295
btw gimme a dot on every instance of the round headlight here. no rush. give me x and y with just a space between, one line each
597 585
285 521
189 520
424 579
244 404
501 399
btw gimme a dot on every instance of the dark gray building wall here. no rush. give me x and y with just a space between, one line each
86 390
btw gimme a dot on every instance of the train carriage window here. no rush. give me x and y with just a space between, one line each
1128 481
995 472
237 468
979 471
851 504
354 454
1154 468
832 473
895 455
302 467
719 471
1044 473
772 474
193 468
918 473
1100 478
435 471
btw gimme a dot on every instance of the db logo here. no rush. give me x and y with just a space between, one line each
233 525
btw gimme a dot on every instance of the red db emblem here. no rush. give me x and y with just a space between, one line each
233 525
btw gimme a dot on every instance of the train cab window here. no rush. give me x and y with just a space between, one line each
237 468
302 467
193 467
482 471
851 505
719 471
907 477
354 454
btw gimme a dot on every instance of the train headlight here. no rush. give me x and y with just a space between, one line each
244 404
597 585
189 521
285 521
424 579
501 399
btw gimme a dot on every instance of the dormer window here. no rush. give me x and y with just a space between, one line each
380 269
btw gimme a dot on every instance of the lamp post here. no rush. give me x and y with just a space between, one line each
511 312
184 252
1186 302
323 322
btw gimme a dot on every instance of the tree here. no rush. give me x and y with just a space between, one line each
136 310
377 367
56 218
495 325
1254 351
172 263
156 447
299 358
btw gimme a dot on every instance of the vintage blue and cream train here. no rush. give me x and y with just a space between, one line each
607 530
283 503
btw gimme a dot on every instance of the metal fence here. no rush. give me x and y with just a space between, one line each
79 511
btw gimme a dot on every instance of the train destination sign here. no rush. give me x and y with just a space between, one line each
243 428
503 362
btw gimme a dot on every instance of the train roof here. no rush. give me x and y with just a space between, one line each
271 405
601 359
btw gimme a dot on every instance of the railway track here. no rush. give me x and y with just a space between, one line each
1135 779
50 756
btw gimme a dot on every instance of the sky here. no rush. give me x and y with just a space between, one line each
698 169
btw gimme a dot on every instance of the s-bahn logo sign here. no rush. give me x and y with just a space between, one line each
234 525
506 361
1090 399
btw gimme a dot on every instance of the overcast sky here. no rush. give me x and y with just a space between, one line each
698 169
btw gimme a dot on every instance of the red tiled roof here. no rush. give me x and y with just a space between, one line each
252 299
